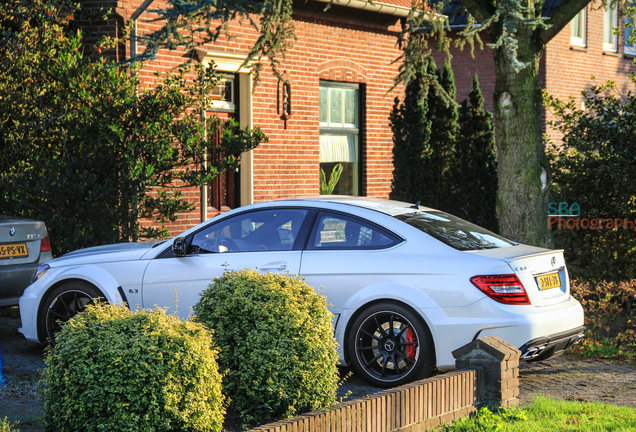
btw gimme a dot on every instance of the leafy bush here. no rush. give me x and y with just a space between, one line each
115 370
594 167
609 318
278 352
6 426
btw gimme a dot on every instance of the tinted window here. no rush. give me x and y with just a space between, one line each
453 231
264 230
335 231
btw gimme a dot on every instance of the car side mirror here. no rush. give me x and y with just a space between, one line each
179 246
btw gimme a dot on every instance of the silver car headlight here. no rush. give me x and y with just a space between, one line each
40 272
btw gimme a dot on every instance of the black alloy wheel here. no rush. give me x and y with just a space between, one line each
63 304
390 345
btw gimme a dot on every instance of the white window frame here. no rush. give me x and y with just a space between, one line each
341 88
579 40
342 129
610 22
224 101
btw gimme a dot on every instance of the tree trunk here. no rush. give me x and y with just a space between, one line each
522 199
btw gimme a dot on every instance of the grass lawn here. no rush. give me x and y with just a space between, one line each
546 414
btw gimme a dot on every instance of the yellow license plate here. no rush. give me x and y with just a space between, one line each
13 250
548 281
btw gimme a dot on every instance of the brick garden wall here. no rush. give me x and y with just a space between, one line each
488 375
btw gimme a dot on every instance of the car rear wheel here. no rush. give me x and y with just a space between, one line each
390 345
63 303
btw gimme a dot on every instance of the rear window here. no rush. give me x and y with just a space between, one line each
453 231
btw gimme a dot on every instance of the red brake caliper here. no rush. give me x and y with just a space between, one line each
410 338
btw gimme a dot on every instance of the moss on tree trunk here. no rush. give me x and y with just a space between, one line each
522 199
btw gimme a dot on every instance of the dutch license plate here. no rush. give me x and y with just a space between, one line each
13 250
548 281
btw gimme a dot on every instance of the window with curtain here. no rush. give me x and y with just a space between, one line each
577 28
610 22
339 144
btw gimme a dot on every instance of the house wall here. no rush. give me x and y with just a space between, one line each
353 46
567 69
340 44
467 62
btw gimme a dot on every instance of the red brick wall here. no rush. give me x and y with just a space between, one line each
349 45
466 64
340 44
568 69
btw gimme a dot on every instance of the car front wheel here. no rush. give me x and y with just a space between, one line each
63 303
389 345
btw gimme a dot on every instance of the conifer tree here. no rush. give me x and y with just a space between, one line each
412 168
444 128
475 171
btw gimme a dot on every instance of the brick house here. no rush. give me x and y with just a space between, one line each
341 73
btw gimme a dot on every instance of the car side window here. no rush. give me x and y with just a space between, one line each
262 230
337 231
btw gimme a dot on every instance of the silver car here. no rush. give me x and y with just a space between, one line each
24 246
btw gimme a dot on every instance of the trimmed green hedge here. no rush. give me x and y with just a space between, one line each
277 349
115 370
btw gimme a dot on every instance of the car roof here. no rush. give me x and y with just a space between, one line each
389 207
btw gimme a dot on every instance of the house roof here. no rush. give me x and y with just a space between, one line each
403 7
403 3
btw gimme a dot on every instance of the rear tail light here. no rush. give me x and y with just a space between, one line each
45 244
506 289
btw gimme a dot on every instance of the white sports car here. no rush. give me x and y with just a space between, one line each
407 284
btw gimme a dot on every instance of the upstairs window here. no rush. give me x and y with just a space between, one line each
578 29
610 22
629 30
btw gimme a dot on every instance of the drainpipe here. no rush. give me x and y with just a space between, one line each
204 162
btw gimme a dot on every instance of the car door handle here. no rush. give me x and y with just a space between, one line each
274 266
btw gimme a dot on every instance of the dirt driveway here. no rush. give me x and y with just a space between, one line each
563 378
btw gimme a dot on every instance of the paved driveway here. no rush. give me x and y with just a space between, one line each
579 379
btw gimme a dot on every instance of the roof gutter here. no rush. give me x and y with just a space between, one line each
383 8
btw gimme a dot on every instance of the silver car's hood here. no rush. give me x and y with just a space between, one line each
105 253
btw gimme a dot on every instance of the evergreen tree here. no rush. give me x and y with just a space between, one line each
475 170
444 128
411 150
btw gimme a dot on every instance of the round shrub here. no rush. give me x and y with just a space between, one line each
277 349
115 370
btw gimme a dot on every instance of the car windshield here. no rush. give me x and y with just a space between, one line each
453 231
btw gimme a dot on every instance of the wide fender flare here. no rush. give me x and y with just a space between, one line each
411 297
95 275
